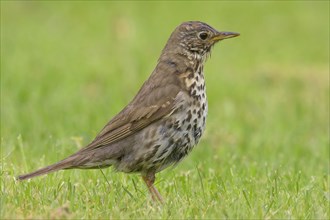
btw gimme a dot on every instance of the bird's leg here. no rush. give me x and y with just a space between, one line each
149 179
159 197
149 185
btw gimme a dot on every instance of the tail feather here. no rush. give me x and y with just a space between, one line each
64 164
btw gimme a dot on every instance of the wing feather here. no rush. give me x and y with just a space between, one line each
155 100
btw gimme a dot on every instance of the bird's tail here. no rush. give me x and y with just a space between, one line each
64 164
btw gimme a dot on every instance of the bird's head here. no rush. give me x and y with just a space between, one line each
195 39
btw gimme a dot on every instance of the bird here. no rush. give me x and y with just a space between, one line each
164 121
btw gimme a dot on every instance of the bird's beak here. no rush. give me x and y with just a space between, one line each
224 35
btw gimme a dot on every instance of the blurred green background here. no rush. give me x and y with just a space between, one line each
68 67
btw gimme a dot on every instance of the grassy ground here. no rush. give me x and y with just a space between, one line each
68 67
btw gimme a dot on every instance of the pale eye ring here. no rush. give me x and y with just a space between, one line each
203 35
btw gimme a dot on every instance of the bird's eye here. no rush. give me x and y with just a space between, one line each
203 35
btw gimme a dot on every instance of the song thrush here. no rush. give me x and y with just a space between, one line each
166 118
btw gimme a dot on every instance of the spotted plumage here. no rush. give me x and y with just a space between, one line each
166 118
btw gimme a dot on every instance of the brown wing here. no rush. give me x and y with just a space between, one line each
155 100
127 123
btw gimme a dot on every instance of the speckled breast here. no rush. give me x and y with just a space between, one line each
181 130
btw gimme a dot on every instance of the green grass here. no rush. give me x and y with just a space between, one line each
68 67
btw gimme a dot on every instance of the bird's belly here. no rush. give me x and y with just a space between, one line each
168 140
178 134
